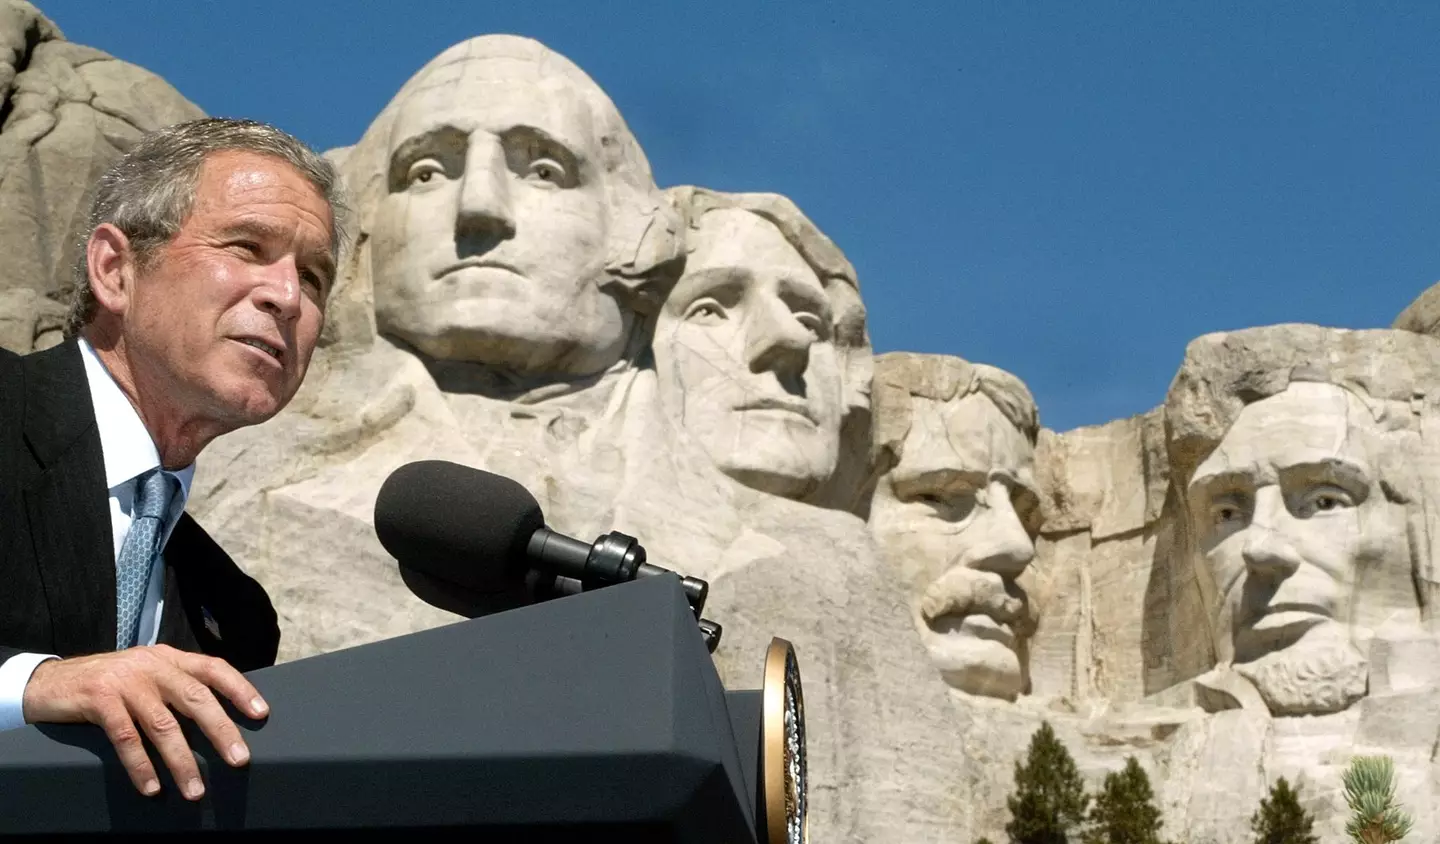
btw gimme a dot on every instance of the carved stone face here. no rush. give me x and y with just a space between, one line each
746 357
1303 547
490 244
957 519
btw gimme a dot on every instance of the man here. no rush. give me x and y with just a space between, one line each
956 511
1297 452
760 350
199 300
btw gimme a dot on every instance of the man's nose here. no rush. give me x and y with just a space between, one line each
1001 543
484 209
776 341
1266 549
278 291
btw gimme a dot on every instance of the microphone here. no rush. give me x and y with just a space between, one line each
473 543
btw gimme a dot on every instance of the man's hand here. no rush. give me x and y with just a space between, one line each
140 686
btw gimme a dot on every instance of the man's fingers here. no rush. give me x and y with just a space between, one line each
160 724
193 699
223 678
114 718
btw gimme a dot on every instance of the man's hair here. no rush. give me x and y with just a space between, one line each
149 191
900 377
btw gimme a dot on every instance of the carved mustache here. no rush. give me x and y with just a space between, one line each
964 591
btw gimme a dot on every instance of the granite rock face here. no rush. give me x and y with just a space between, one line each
1422 315
68 112
1235 586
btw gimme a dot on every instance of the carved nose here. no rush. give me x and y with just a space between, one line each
1004 546
778 342
1266 551
485 208
1269 555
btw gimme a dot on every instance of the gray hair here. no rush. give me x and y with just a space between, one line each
148 193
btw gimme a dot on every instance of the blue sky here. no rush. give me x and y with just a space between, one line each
1071 191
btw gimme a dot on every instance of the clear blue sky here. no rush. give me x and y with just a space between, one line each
1071 191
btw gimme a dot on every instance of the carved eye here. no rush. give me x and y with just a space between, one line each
548 170
705 311
1226 513
423 172
812 323
1326 499
951 507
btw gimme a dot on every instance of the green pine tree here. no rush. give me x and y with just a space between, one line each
1281 819
1375 815
1049 800
1124 810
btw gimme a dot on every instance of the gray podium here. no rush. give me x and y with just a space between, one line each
594 717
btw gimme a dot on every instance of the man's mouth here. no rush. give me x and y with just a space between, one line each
268 349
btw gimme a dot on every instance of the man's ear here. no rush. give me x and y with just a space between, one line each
110 264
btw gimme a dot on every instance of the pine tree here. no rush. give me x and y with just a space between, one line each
1124 811
1049 799
1281 819
1375 816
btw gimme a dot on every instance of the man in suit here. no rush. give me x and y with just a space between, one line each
201 293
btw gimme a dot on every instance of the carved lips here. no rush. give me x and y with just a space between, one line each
970 603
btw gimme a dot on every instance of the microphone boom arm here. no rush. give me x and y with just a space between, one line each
612 558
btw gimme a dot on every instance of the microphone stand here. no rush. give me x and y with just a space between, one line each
612 558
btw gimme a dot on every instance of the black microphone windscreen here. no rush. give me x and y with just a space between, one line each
457 524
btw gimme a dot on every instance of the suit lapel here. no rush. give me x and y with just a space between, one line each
176 628
67 504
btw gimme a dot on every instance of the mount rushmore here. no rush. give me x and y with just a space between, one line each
1237 585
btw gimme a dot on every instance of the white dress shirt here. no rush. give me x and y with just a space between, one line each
129 453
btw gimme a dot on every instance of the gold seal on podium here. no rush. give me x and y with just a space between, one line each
782 762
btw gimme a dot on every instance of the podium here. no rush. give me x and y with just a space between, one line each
595 714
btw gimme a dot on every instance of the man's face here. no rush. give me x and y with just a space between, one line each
957 518
491 242
250 268
1293 525
747 359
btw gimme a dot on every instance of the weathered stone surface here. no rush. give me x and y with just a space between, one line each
470 205
1422 315
957 510
69 111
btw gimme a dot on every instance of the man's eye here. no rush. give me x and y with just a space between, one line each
705 311
249 247
548 170
423 172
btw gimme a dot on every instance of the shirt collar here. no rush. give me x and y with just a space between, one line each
129 451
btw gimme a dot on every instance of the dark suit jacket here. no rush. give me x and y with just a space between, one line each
57 553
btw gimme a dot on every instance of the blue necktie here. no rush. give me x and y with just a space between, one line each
138 553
